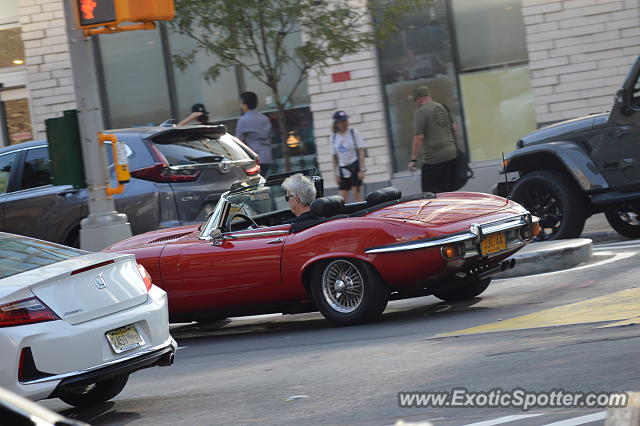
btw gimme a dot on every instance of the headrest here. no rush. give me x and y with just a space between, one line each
327 206
383 195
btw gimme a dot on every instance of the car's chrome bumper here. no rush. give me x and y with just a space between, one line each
471 238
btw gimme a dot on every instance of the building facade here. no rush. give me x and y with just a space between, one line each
502 67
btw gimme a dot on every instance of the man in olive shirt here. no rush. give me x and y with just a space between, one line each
432 130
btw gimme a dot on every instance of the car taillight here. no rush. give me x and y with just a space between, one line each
25 311
145 277
163 173
253 170
452 251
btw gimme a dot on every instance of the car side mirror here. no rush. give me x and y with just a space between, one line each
621 96
216 237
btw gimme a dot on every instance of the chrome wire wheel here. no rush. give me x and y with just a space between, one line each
342 286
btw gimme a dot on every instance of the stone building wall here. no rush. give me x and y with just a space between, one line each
580 52
46 45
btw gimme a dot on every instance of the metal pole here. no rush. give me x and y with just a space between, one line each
104 225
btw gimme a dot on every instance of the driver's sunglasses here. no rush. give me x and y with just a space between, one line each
288 197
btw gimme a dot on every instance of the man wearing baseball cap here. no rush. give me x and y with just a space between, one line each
198 113
433 132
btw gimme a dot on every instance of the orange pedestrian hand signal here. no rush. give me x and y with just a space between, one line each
87 7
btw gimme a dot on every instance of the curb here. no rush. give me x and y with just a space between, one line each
548 256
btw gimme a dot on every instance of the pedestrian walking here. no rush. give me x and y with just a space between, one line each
348 149
199 113
254 129
433 133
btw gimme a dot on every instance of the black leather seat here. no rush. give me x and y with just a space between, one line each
383 195
331 205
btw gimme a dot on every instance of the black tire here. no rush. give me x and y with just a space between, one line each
462 289
626 223
348 291
556 199
96 393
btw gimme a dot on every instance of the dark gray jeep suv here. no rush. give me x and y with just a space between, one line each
177 176
573 169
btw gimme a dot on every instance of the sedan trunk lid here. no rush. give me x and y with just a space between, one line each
87 287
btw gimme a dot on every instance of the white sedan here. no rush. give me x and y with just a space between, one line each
74 324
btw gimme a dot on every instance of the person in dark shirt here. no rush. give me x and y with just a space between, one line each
300 193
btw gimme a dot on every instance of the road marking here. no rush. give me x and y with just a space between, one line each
580 420
631 321
618 245
619 306
615 258
505 419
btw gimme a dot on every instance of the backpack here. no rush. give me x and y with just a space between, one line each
463 171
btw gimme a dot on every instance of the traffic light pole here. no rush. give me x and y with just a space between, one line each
104 225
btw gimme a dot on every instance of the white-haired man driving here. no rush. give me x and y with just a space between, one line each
300 194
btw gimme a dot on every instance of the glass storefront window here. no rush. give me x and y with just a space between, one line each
495 80
11 48
421 53
498 108
135 78
489 33
221 97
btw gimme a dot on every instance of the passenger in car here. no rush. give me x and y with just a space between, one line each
300 193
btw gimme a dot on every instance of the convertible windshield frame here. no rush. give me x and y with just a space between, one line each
216 218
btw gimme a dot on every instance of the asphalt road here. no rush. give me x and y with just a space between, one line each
538 333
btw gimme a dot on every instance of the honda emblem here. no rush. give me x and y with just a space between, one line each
100 282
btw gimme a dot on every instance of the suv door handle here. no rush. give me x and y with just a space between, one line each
623 130
67 192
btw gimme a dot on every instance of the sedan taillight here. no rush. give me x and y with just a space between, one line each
25 311
145 277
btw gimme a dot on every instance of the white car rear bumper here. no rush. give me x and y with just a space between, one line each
66 355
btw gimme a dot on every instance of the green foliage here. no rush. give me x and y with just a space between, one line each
254 34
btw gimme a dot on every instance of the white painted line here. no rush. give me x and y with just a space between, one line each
615 258
505 419
619 244
580 420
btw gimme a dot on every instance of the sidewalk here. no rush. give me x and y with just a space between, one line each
549 256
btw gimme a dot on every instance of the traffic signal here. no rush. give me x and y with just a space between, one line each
97 13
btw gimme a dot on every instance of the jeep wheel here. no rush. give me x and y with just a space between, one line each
556 200
626 223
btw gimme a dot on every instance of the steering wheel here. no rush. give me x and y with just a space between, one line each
253 224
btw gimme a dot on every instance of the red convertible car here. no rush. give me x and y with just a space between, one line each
246 259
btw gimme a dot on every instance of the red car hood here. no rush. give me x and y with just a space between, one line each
446 208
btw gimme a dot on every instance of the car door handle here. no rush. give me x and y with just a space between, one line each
67 192
623 130
276 241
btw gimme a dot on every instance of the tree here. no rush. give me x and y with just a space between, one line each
252 35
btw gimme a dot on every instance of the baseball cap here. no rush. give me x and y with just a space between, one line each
199 108
421 92
340 116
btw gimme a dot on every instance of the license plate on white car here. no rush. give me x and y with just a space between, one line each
124 339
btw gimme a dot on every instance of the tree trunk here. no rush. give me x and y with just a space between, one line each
284 131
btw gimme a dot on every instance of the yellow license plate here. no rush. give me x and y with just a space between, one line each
493 243
124 339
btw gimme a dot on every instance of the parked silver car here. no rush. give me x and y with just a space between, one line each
178 174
